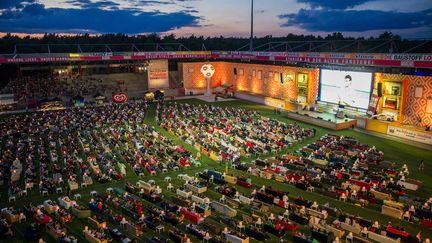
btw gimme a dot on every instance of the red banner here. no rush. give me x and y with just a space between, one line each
120 98
358 59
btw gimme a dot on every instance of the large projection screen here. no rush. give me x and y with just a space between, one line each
347 88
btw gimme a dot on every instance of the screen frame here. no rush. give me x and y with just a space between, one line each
349 107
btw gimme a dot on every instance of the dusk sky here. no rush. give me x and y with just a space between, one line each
409 18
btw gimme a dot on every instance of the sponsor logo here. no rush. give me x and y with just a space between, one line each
120 98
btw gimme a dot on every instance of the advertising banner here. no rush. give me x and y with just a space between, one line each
158 76
368 59
120 98
418 136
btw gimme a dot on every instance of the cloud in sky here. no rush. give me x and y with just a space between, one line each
90 4
214 18
6 4
93 17
356 20
333 4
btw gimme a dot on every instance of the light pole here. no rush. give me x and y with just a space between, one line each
252 20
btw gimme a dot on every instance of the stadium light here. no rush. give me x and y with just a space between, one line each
252 29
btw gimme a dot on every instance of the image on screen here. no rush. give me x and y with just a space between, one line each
347 88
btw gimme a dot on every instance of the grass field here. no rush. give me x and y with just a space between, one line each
394 151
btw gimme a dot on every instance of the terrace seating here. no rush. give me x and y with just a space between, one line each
298 219
382 238
10 215
380 195
391 211
50 207
394 204
356 228
44 192
223 209
183 194
316 213
196 188
170 187
230 237
65 202
410 184
80 212
95 224
144 185
335 231
89 236
29 186
133 229
23 193
200 200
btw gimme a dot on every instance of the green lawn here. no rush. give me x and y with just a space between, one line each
394 151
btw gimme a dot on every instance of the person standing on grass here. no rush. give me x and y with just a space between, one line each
421 166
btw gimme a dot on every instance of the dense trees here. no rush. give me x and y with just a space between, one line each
389 41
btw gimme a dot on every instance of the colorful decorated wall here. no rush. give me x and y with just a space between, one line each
190 74
258 79
416 98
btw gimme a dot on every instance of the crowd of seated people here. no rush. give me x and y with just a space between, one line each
51 86
46 148
228 132
87 85
5 228
98 234
342 168
324 223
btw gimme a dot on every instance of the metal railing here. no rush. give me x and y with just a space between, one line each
351 46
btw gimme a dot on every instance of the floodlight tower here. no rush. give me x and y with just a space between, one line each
252 29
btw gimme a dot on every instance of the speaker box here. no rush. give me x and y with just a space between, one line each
380 87
235 71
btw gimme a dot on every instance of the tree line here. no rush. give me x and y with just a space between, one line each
384 43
